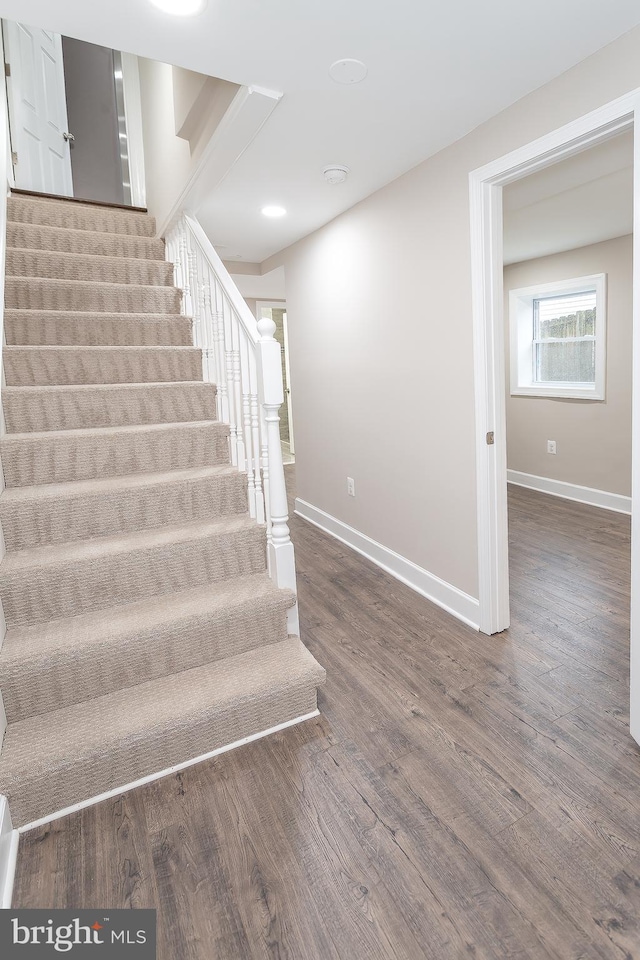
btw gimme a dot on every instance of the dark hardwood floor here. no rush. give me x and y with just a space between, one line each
460 796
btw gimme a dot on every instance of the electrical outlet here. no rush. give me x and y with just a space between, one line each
351 487
551 446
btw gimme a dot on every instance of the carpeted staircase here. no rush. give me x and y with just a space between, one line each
142 629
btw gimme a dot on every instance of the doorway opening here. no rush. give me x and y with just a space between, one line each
486 195
74 117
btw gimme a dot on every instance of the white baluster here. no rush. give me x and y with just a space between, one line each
196 302
230 380
170 248
264 458
184 283
177 256
247 433
209 348
191 298
218 339
280 548
255 435
237 389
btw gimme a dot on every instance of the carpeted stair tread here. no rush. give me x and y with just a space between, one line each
65 407
49 366
67 512
76 266
76 328
63 455
91 655
66 580
37 293
60 758
78 216
30 236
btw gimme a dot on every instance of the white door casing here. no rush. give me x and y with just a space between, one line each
485 186
287 367
37 109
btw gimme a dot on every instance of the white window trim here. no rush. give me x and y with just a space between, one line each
521 346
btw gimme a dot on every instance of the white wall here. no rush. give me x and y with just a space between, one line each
170 160
167 158
380 325
593 437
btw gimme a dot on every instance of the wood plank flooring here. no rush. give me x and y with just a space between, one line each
460 796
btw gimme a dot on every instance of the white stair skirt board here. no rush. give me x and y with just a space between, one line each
8 854
571 491
164 773
3 719
443 594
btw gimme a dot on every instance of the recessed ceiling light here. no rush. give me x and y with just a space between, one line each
347 71
273 211
180 8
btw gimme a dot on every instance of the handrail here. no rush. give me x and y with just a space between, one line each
242 357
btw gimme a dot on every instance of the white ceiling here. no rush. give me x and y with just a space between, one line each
585 199
436 71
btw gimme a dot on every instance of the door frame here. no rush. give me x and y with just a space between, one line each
485 191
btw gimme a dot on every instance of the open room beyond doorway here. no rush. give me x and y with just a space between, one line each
487 265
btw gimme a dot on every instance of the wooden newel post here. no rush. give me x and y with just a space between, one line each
280 553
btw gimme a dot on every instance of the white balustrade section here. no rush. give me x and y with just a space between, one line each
242 357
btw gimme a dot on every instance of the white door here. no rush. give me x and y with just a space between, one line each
37 109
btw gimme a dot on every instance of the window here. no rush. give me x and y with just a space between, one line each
558 339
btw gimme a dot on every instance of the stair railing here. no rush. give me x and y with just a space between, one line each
242 357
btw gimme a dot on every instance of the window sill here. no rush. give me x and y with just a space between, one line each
573 392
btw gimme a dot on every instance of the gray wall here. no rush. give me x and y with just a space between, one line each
93 120
593 437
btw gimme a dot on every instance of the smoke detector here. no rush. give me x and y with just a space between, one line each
336 173
348 71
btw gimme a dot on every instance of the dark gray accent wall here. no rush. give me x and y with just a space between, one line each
93 120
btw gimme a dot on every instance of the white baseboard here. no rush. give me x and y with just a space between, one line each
571 491
443 594
162 773
8 854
